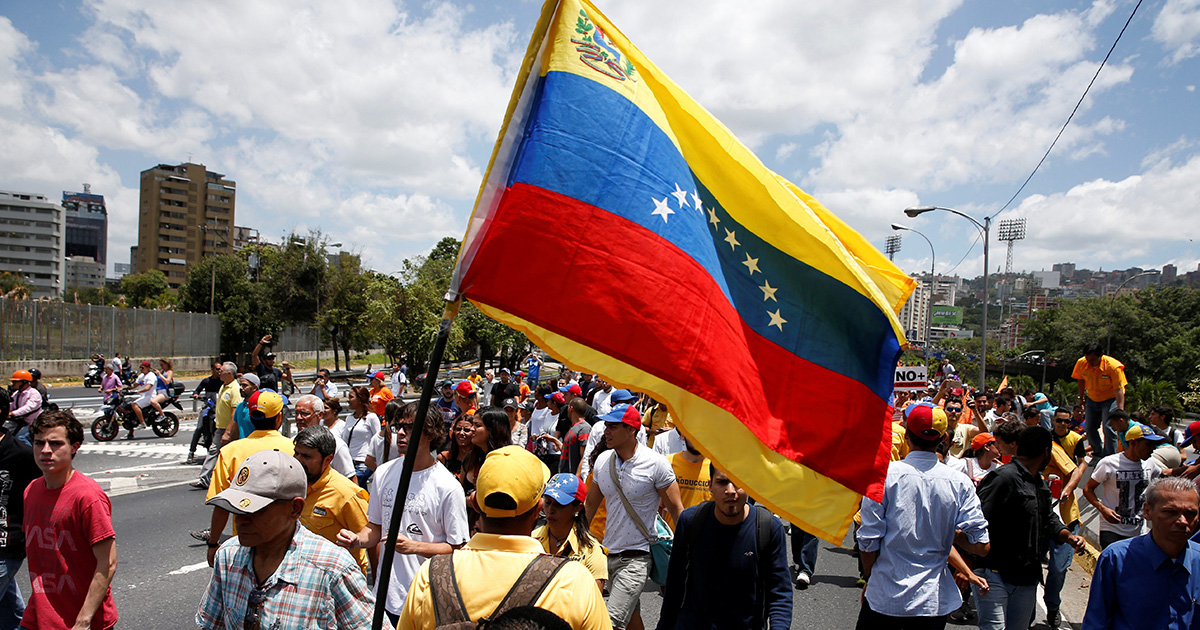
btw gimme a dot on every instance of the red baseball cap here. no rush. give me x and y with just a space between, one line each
624 414
465 389
981 440
556 397
574 388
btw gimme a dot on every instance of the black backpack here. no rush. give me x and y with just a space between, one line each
449 611
763 520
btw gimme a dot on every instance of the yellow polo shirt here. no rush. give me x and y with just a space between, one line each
335 503
235 452
489 565
1063 465
1103 381
227 399
692 479
595 558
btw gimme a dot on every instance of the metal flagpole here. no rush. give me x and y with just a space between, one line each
414 440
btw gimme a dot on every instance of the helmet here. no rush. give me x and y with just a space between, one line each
35 373
22 375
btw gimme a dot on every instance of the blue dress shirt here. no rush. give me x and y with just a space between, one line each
913 530
1136 586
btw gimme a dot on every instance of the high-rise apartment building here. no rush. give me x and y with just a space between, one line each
31 241
185 214
87 225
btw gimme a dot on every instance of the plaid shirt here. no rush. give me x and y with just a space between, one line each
318 585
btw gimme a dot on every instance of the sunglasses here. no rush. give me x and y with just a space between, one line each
1061 421
953 409
407 427
254 610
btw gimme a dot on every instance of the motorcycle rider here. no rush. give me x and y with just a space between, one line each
164 379
145 387
25 407
206 391
41 389
110 386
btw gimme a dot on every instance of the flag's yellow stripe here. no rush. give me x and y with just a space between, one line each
825 508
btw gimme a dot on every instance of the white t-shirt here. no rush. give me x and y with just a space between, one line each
358 432
542 421
342 462
594 438
1122 482
955 463
948 369
641 477
600 402
146 379
435 511
977 472
398 379
669 443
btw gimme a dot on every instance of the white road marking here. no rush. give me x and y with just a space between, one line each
189 568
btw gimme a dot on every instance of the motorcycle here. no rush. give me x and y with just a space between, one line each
94 374
118 413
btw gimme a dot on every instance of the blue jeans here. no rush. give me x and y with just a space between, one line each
1004 606
12 607
363 473
804 550
1095 416
23 435
1061 555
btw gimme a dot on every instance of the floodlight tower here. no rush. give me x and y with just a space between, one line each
892 246
1010 231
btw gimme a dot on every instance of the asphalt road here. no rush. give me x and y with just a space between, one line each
162 572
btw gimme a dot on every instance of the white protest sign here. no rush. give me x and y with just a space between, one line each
911 378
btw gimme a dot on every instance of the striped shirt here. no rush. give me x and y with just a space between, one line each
318 585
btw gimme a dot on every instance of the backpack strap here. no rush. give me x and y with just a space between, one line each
764 520
704 512
533 581
448 606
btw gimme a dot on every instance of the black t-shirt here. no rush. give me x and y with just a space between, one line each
265 373
500 391
17 469
210 385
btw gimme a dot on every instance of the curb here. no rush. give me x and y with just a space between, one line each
1088 559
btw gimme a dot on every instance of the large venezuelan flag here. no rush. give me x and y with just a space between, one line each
676 263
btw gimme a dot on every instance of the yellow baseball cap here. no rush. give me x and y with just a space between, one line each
265 404
510 482
1141 432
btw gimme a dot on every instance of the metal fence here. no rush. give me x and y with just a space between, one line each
32 330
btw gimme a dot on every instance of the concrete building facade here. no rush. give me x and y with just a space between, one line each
84 272
186 212
32 234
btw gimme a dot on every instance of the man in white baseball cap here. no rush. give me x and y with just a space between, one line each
275 573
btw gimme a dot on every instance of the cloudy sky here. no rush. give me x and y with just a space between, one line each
373 120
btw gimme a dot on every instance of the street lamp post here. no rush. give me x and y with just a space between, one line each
932 283
1113 302
212 289
985 228
321 281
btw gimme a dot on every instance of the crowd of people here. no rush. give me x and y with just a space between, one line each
540 501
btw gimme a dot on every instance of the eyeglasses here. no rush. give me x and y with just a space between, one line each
1061 421
407 427
254 609
953 409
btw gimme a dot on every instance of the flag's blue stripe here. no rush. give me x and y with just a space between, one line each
587 142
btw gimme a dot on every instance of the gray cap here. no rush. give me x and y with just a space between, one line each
253 378
263 478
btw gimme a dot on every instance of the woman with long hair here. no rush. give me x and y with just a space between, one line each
460 445
164 377
361 426
332 418
383 449
565 534
491 432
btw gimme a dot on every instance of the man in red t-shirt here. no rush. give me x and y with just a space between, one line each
69 538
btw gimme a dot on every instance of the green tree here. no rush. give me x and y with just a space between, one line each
343 312
292 275
144 289
14 285
245 313
99 296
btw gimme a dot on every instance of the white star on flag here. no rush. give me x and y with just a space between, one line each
731 239
696 201
768 291
712 217
680 195
662 209
751 264
776 320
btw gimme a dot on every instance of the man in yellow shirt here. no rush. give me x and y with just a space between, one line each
265 415
1102 383
508 497
333 502
691 472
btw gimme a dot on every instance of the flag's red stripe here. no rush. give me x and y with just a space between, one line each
585 273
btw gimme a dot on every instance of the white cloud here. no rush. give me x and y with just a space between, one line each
986 118
1177 28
